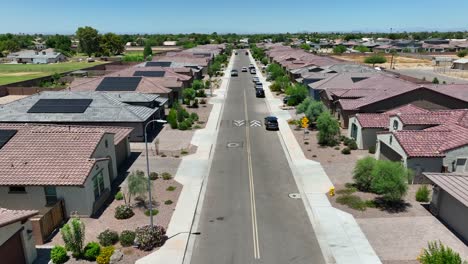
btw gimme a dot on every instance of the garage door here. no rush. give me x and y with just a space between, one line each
12 250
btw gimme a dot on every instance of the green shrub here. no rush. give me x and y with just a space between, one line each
153 176
184 152
73 235
171 188
147 237
119 196
352 201
203 101
437 253
154 212
58 255
127 238
123 212
362 173
172 118
352 145
183 126
166 176
390 179
168 202
329 129
105 255
195 103
372 149
337 148
194 116
422 194
108 237
346 151
91 251
197 127
189 121
346 190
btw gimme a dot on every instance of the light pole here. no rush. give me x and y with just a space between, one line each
160 121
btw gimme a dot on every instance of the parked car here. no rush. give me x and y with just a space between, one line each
234 73
251 66
255 79
260 93
271 123
286 99
247 53
244 69
252 71
258 85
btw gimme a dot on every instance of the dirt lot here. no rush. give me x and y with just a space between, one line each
400 61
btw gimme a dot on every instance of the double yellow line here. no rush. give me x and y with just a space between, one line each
251 185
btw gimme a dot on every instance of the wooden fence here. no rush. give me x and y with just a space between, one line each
44 224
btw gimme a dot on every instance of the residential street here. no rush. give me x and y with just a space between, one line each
247 215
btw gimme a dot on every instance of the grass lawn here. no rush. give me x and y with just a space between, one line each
10 73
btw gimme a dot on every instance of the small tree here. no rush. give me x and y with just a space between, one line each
198 85
390 179
362 173
437 253
462 53
297 93
73 234
329 129
137 184
435 80
375 59
305 46
340 49
362 49
147 51
172 118
311 108
189 94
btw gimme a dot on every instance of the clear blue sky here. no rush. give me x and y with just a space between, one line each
240 16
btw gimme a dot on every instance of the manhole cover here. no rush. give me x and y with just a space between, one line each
294 196
234 144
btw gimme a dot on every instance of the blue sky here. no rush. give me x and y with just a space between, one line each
222 16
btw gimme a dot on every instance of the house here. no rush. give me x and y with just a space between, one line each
16 241
450 200
433 141
37 57
170 43
42 164
460 64
115 109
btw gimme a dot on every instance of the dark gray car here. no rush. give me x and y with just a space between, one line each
271 123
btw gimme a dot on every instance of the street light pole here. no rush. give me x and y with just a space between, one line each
148 168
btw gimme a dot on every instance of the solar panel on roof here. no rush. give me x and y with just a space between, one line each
158 64
6 135
119 84
60 106
149 73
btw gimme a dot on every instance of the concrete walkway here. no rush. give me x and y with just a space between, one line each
339 235
191 174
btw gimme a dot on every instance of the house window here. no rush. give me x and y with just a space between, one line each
17 189
98 184
50 195
395 125
460 165
391 139
354 131
106 143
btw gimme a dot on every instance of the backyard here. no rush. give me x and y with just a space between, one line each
10 73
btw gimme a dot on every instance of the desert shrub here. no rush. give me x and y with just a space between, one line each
151 212
58 255
337 148
168 202
183 126
172 118
196 126
422 194
372 149
346 151
166 176
127 238
147 237
119 196
390 179
352 145
123 212
306 143
73 235
352 201
437 253
105 255
203 101
194 116
201 93
195 103
362 173
108 237
346 190
91 251
153 176
329 129
189 121
171 188
184 152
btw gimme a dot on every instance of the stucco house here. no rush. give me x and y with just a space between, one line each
436 141
16 239
41 164
37 57
450 200
460 64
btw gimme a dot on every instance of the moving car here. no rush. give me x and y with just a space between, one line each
244 69
234 73
271 123
259 93
252 71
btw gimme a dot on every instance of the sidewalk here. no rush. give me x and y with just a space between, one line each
191 174
338 233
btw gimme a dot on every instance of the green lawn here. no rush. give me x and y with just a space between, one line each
10 73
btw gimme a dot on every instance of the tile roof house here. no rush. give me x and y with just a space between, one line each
16 243
42 164
450 200
432 141
116 109
37 57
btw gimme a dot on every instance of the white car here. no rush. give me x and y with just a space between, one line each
244 69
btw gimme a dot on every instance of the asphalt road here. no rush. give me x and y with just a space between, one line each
247 215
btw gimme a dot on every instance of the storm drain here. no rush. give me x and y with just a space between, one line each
234 145
294 196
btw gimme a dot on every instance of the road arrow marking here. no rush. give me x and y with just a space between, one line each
255 123
238 123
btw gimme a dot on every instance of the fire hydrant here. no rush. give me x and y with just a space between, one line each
331 192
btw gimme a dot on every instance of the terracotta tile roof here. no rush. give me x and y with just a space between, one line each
51 155
372 120
8 216
432 117
456 184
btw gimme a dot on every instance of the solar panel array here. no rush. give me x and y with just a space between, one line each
149 73
158 64
119 84
60 106
6 135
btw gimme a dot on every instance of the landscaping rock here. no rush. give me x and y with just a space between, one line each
116 257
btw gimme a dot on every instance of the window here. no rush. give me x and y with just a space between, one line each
50 195
17 189
395 125
106 143
354 130
460 165
98 184
391 139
